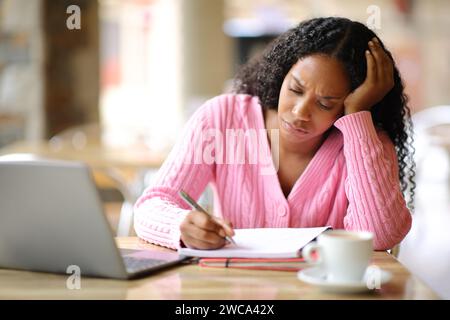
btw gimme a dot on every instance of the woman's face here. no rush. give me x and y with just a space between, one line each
311 98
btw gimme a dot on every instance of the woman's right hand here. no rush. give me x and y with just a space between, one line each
201 231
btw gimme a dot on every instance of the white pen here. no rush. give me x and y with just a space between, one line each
197 207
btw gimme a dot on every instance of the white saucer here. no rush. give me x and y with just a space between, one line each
374 278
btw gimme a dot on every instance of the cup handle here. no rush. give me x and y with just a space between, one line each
307 252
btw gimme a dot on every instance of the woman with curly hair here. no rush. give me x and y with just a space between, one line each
340 155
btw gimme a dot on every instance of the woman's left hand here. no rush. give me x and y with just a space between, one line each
379 80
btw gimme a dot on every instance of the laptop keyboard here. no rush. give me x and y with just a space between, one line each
135 265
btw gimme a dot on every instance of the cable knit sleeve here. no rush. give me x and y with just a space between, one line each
376 203
159 211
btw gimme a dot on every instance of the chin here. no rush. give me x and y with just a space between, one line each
295 138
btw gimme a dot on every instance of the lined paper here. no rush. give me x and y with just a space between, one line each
262 243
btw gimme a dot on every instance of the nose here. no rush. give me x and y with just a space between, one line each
302 110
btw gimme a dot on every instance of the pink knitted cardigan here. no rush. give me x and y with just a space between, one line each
351 182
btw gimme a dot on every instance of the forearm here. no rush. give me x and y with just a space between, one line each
375 200
158 220
160 210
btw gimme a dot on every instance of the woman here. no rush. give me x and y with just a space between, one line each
332 95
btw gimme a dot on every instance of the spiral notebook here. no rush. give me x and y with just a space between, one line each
262 243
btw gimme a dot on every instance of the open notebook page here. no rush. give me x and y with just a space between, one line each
262 243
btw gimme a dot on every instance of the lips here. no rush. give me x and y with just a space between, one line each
293 128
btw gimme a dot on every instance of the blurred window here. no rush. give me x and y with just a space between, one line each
140 72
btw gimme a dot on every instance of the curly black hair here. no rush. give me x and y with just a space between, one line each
346 41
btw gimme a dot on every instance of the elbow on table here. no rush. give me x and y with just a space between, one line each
393 236
139 230
386 235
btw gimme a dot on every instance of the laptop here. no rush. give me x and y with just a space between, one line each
51 219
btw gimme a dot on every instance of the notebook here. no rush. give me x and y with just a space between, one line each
274 264
262 243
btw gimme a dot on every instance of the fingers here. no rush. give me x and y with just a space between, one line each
219 226
201 231
196 243
376 53
371 68
387 63
206 222
383 65
227 227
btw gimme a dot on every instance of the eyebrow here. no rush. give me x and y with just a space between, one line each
322 97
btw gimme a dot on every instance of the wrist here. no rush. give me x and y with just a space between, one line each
350 110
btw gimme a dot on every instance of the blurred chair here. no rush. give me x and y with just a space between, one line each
425 250
87 139
431 129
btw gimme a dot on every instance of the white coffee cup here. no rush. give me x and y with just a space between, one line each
343 255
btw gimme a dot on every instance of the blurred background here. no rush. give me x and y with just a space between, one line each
111 83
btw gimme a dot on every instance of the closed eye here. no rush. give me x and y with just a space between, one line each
324 106
296 91
300 92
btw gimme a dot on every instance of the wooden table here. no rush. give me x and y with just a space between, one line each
194 282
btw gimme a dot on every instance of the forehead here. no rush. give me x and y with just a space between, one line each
321 71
